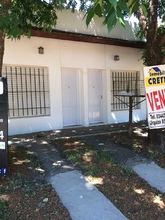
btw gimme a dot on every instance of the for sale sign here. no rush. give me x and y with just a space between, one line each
155 95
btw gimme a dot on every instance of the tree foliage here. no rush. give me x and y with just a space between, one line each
111 11
18 17
151 16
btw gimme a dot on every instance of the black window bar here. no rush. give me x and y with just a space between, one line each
28 91
125 83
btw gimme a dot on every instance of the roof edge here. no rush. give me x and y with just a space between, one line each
63 35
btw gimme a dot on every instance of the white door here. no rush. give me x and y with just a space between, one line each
70 101
95 96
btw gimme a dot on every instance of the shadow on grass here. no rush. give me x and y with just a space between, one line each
132 195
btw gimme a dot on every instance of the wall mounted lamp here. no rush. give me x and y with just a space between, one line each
40 50
116 58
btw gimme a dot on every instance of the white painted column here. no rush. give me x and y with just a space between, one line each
85 98
105 86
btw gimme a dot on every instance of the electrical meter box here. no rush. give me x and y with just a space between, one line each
3 126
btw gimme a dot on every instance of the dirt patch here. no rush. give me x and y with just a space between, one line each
134 197
140 145
25 193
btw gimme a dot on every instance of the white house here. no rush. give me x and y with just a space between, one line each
75 81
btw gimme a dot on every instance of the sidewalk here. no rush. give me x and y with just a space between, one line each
80 197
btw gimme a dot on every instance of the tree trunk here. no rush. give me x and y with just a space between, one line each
153 136
153 48
2 42
153 53
6 5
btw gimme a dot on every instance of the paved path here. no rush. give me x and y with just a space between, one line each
152 173
83 200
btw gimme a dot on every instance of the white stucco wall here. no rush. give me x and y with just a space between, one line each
76 23
82 56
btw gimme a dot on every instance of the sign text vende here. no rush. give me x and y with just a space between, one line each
155 95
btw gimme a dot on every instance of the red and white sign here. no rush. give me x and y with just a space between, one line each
155 95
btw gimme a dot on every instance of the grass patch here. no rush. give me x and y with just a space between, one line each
5 212
86 157
104 156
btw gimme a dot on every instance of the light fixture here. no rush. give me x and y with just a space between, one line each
116 58
40 50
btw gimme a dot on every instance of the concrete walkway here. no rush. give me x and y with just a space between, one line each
152 173
80 197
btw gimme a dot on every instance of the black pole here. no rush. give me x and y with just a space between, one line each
130 116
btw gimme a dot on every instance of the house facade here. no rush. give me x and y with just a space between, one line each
76 80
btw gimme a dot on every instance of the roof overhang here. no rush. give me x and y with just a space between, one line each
63 35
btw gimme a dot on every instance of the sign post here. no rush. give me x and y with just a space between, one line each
155 95
3 126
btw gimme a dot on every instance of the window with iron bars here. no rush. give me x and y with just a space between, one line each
28 91
124 84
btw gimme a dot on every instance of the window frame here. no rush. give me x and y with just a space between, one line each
28 91
123 84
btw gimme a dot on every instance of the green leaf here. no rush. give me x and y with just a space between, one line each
98 10
111 22
108 12
120 17
134 7
114 3
89 16
123 6
122 22
130 2
144 9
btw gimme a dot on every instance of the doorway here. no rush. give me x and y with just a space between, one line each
95 96
70 97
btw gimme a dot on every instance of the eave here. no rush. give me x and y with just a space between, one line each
63 35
